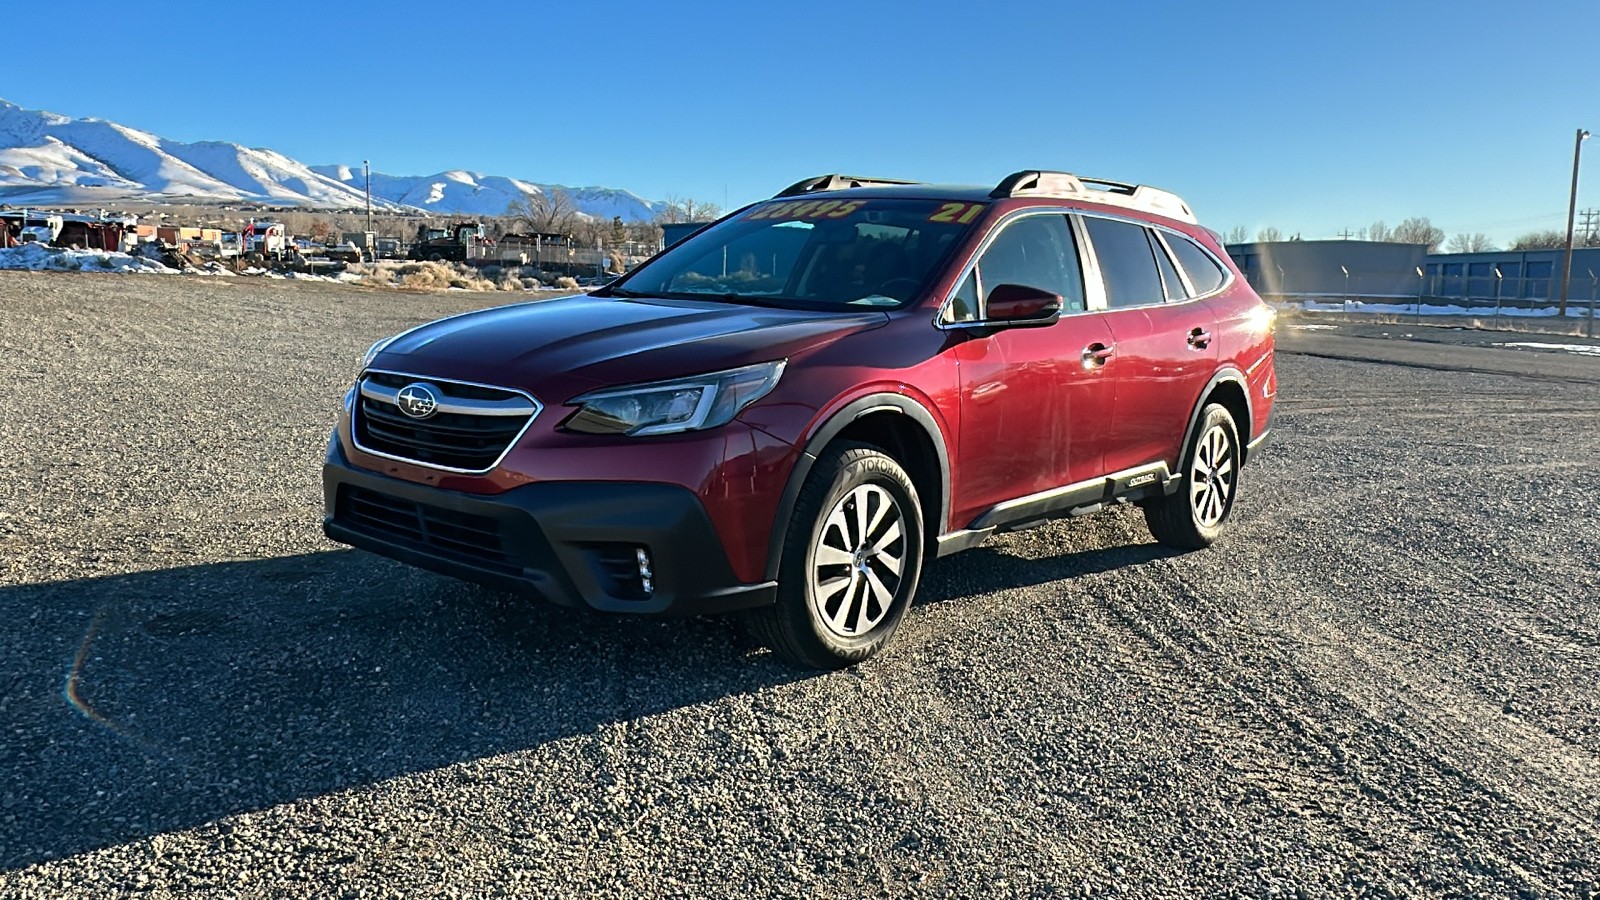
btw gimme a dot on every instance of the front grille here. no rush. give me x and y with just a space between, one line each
473 428
457 535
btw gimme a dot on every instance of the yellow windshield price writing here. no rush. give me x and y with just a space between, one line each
808 209
956 213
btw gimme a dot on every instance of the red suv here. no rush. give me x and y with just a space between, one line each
799 405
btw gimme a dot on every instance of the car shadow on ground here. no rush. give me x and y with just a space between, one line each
144 703
138 704
996 568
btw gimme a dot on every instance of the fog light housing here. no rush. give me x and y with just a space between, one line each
646 575
625 571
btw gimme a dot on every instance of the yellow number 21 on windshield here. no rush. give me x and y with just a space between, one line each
956 213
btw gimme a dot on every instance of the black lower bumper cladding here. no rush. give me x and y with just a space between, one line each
572 543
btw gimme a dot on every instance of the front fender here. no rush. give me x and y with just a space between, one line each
830 428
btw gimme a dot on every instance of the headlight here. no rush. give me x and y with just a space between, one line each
668 407
373 351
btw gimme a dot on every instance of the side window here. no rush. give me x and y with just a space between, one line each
1126 263
1203 271
1169 275
1037 251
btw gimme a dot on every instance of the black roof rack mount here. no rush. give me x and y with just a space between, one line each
834 183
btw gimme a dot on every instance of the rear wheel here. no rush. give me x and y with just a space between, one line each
1193 517
851 561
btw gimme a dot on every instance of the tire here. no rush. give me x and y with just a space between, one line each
1193 518
840 600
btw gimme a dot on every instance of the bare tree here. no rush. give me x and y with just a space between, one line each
648 233
1378 231
549 211
1540 240
1238 234
590 232
684 209
1418 230
1476 242
1269 234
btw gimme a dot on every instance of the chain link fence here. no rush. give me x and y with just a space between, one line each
1492 301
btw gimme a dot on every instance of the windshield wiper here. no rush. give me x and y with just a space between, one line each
622 292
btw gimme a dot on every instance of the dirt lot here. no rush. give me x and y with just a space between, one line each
1384 681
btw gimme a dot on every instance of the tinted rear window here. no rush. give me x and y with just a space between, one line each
1203 271
1126 263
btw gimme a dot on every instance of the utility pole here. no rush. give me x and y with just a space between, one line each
367 164
1572 208
1591 217
1345 234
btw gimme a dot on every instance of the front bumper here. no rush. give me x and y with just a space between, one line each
570 542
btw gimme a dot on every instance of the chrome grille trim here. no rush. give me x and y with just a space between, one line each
520 403
513 406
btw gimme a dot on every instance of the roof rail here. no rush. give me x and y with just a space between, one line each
833 183
1143 197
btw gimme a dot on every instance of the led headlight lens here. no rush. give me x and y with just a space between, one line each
669 407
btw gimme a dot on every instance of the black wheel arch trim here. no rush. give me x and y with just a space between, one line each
831 429
1226 374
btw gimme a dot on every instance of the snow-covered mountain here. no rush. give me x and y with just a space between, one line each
48 159
474 193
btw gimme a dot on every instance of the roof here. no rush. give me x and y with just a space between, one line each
903 192
1028 183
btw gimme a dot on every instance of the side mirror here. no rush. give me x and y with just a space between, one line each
1020 306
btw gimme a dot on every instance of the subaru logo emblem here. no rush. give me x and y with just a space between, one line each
417 400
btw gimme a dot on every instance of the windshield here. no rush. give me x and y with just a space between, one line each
811 254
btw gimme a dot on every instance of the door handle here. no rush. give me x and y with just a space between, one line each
1096 354
1199 338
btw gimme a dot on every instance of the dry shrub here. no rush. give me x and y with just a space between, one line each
422 276
567 283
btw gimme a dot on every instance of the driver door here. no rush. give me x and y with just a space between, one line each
1034 401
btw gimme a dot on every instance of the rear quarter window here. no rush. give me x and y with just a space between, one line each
1203 271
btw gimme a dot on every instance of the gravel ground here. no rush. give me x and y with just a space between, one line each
1383 682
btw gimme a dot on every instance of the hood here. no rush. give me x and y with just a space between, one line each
558 348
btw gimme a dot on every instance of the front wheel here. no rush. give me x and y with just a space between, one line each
851 561
1193 517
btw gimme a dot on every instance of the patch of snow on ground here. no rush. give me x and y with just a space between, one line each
1585 349
1314 327
1410 309
40 258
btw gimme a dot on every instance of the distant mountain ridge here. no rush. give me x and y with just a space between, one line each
473 193
53 160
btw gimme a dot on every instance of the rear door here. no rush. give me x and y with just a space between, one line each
1164 344
1032 406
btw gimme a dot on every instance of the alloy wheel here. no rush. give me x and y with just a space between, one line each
859 561
1211 477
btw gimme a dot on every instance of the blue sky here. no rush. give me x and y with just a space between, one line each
1310 117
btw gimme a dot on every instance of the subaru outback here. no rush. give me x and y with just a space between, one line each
794 409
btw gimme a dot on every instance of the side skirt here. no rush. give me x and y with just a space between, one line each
1078 499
